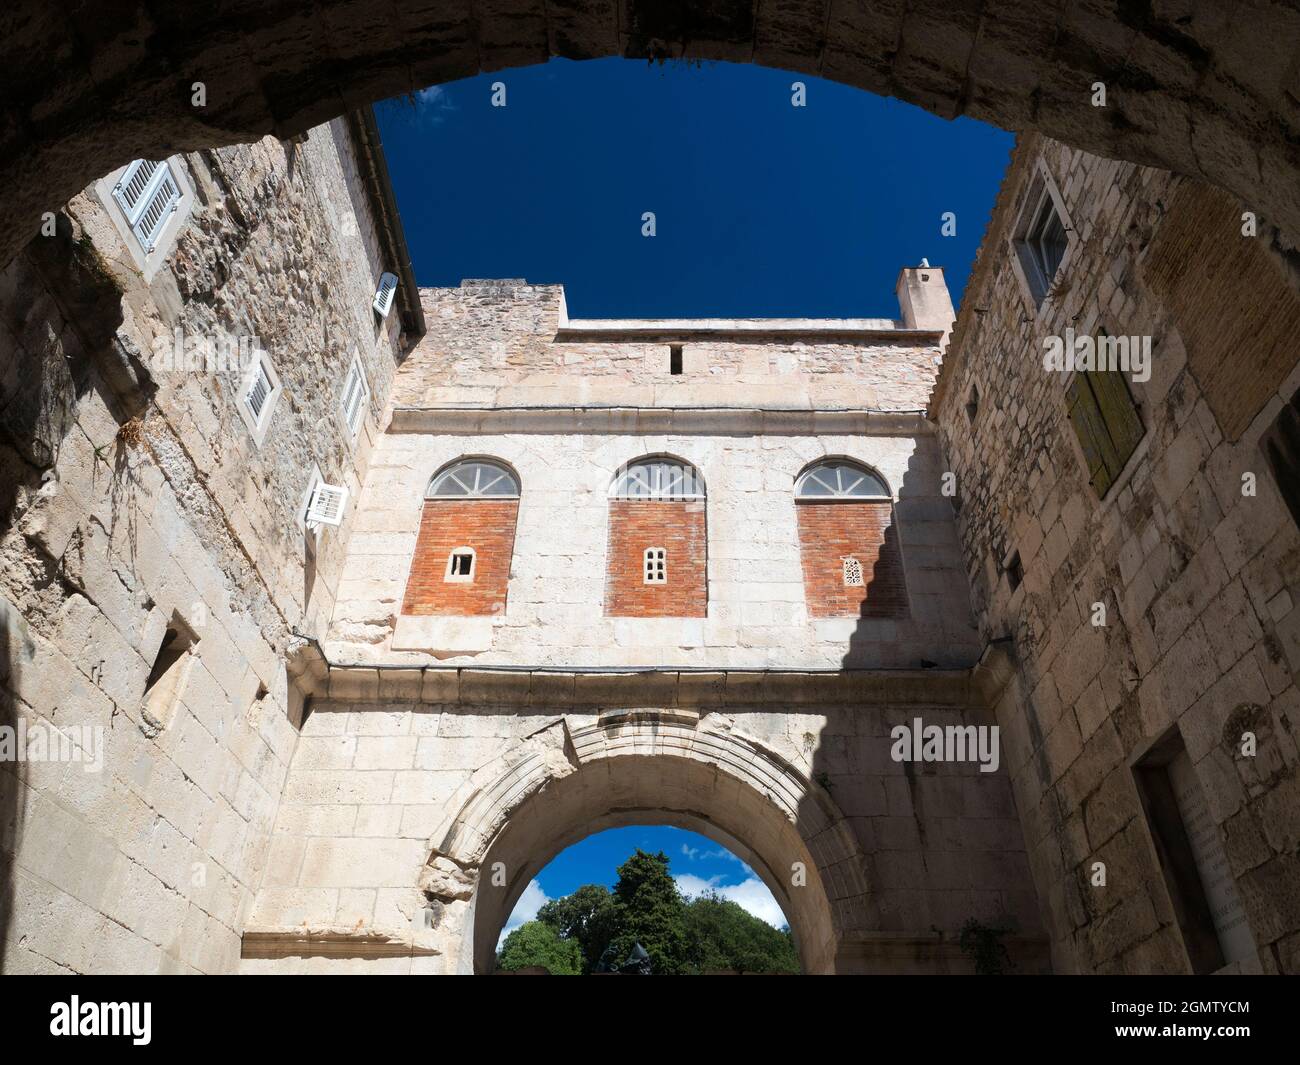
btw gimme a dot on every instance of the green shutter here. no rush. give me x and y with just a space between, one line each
1098 452
1118 412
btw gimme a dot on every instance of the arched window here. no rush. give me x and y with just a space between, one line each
461 565
852 562
658 549
658 478
474 479
840 479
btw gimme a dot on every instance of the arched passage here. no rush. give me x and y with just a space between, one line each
1204 90
640 767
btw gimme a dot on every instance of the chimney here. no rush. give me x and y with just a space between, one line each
923 300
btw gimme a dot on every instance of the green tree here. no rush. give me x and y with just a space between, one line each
587 916
535 943
650 911
725 937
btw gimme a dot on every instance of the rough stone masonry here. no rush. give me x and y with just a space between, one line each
322 753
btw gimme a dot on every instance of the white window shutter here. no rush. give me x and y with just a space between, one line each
355 391
259 391
326 505
384 297
129 192
147 193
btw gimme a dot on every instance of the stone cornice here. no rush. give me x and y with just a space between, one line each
808 331
662 689
790 421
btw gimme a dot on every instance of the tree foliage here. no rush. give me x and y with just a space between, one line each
535 943
588 917
703 935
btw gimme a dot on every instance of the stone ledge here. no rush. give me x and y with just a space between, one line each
328 942
649 688
785 421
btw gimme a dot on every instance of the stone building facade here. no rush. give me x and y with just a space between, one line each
1144 594
596 573
155 570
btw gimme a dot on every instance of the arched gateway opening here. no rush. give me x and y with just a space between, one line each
1208 92
639 768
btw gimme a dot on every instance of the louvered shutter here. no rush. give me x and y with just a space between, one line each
355 391
326 506
259 391
384 297
147 193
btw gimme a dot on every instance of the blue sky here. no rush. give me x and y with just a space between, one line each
761 208
697 864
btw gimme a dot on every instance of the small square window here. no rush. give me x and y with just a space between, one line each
656 565
460 565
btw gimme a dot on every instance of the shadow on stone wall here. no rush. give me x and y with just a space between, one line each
11 784
884 640
60 311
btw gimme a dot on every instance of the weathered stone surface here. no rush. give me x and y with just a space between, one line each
1184 563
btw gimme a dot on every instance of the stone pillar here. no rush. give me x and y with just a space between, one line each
923 300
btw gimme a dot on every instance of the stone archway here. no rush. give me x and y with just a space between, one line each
1202 89
648 767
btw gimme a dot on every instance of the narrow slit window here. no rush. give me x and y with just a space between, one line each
675 359
1015 572
166 681
656 565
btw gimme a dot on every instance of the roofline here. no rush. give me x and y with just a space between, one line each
614 330
388 220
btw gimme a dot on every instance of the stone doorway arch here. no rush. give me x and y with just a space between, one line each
650 767
1200 89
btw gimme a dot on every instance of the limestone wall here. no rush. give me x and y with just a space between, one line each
408 788
508 343
554 613
113 532
1198 580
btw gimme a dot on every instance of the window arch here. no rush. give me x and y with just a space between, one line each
474 478
840 479
464 549
658 477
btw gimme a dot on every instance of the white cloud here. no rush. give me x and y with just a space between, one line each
751 894
433 103
532 900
